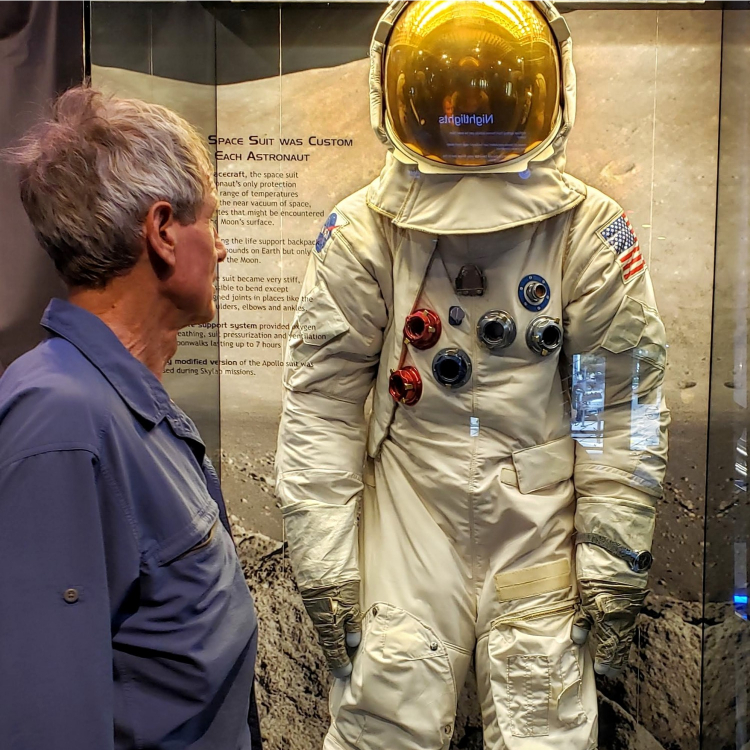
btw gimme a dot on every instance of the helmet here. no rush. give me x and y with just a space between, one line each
471 84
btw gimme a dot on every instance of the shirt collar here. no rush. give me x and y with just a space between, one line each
136 384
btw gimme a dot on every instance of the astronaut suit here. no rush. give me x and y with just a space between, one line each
496 498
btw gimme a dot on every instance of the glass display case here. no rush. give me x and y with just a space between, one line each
280 93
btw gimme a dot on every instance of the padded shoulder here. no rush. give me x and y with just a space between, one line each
354 228
588 239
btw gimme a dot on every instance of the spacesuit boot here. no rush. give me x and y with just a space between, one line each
498 499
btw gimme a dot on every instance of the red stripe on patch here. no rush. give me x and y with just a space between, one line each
634 269
628 256
633 262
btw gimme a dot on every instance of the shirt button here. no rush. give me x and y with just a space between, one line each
71 596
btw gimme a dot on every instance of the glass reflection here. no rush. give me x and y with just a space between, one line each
645 426
587 400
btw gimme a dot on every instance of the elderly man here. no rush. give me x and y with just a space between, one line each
126 620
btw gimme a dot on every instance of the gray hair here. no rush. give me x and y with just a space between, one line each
89 175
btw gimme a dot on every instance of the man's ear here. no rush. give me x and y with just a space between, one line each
160 236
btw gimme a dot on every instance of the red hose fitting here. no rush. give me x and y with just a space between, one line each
405 385
422 329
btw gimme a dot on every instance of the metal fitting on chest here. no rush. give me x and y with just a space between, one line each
496 330
405 385
422 329
451 367
534 292
470 281
544 335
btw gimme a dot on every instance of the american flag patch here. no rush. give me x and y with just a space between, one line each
619 235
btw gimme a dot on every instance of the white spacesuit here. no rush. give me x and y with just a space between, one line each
497 499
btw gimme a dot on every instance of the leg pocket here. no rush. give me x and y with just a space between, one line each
542 683
528 694
401 694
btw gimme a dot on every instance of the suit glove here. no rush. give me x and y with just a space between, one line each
610 610
335 613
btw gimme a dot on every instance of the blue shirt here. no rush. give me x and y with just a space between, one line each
125 620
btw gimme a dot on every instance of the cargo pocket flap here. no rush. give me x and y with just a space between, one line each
626 328
544 465
401 692
637 327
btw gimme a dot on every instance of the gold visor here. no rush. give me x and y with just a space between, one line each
472 83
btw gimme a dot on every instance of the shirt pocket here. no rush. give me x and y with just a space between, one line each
197 535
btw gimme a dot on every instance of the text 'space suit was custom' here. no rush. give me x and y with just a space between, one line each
498 499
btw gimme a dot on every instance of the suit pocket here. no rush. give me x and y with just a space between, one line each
638 328
401 693
537 678
544 465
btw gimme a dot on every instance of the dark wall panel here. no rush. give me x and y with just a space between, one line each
41 54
